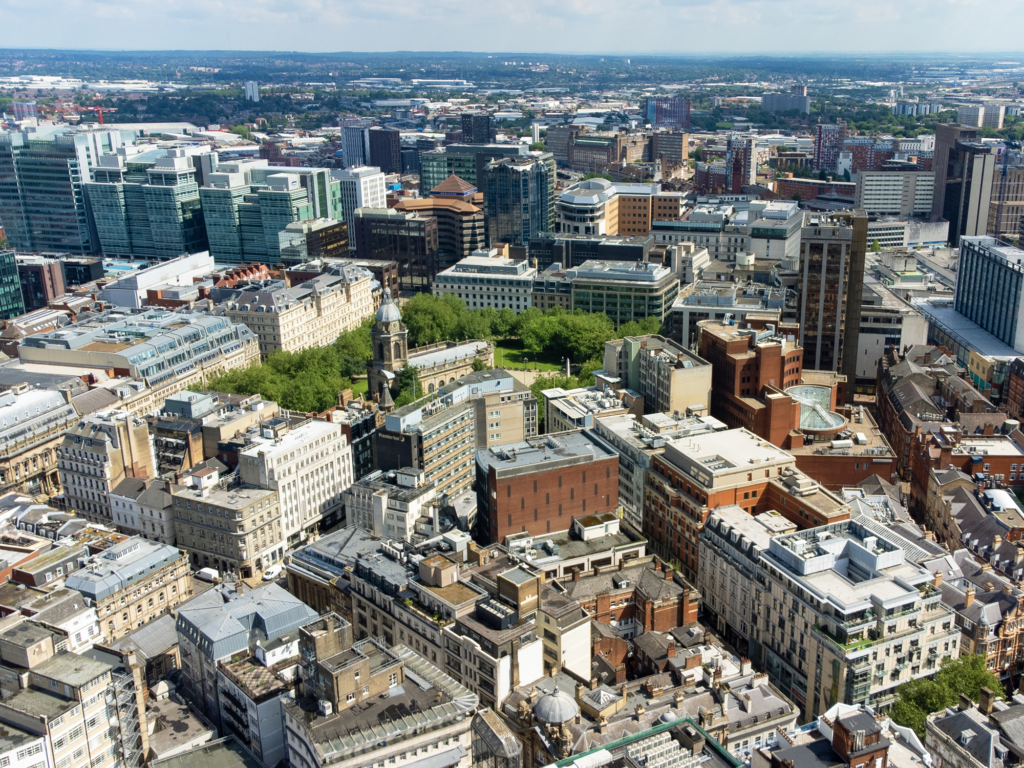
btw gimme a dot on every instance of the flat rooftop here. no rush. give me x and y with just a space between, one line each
553 450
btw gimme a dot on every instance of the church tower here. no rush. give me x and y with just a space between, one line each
390 347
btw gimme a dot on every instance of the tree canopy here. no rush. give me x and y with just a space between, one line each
917 699
307 381
554 334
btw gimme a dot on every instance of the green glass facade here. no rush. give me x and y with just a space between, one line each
148 207
244 223
11 303
42 190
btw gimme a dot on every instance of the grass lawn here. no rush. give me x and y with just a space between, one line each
509 353
359 386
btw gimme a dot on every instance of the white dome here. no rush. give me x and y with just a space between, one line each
388 312
555 707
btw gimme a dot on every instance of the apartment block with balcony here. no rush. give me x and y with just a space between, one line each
88 711
845 613
253 690
224 621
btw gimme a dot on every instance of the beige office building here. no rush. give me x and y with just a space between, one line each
311 314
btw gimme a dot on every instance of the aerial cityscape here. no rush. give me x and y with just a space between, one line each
577 409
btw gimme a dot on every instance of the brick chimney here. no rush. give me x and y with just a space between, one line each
668 571
937 579
575 574
670 652
969 596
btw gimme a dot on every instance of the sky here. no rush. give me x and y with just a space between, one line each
527 26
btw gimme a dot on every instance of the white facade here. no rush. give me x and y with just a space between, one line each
360 188
252 90
126 512
487 280
472 656
25 750
900 193
130 291
389 509
309 466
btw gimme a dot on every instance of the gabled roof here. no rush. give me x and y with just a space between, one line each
453 185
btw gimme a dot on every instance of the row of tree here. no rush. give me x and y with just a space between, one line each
553 335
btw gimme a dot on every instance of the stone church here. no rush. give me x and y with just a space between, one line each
438 364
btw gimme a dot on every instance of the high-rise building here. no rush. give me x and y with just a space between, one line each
990 287
829 289
11 302
361 187
146 203
42 280
667 110
463 160
519 198
43 203
981 116
828 141
355 146
458 208
248 203
964 173
781 102
900 188
252 90
1006 211
558 139
385 149
408 238
477 128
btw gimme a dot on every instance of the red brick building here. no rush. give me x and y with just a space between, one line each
541 487
752 364
808 189
637 599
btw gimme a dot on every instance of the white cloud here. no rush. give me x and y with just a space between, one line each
588 26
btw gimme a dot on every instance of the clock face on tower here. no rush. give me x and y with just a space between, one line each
394 326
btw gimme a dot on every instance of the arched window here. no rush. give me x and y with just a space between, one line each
430 388
380 351
398 350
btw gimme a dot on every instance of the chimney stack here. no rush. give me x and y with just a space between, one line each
937 580
965 703
986 699
969 597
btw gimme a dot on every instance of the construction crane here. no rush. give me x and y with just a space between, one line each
98 110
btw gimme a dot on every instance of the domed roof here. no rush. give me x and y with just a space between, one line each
388 312
555 707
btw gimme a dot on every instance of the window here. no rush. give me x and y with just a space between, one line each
350 698
392 680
